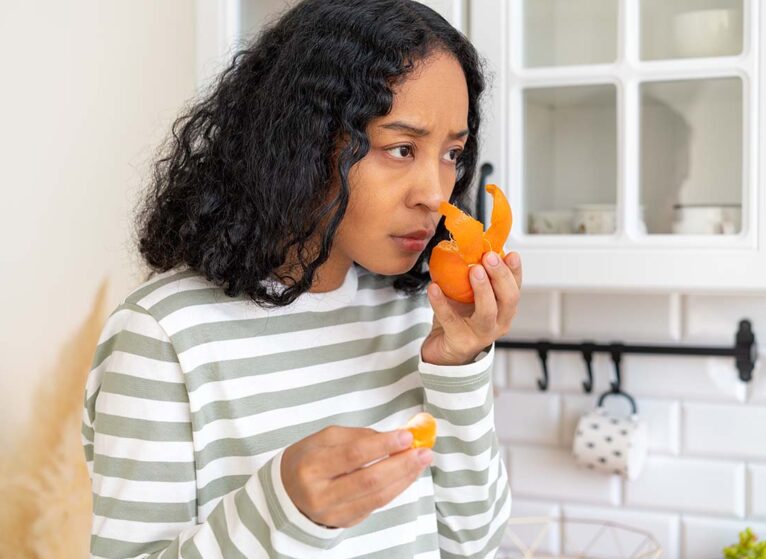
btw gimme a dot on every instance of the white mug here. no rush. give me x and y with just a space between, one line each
612 445
594 219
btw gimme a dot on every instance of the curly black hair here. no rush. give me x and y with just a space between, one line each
247 174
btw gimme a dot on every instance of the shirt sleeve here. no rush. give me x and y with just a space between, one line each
138 440
473 500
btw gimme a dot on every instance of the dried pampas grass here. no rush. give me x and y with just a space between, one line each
44 486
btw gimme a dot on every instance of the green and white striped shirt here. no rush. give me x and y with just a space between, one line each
193 395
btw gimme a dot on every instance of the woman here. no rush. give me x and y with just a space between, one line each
247 400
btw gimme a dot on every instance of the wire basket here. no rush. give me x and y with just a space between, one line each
574 538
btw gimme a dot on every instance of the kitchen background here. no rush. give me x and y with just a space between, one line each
588 99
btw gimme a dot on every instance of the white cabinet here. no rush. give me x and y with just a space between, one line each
627 135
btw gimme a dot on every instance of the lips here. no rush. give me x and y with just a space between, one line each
414 241
419 235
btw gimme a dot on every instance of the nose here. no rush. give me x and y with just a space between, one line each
430 187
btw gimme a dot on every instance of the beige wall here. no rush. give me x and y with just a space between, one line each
88 90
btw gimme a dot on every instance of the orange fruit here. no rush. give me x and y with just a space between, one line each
451 260
423 429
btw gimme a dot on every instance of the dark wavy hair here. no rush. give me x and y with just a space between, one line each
247 175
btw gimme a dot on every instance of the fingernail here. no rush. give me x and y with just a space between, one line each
478 272
435 290
492 259
513 260
424 455
405 438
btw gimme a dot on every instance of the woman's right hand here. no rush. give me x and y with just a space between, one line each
325 477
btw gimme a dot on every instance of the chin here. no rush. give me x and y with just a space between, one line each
390 266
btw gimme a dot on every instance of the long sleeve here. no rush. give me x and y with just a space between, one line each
473 500
138 440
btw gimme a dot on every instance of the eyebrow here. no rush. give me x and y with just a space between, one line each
419 132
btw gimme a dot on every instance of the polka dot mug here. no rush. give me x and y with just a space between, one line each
610 444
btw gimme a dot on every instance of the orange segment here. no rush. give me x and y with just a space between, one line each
423 429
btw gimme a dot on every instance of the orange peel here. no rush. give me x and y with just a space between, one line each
451 260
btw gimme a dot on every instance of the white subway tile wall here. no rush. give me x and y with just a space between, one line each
705 479
685 484
757 494
604 315
704 538
758 384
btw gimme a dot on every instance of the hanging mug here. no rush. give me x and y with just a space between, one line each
610 444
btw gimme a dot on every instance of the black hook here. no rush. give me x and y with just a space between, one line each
587 354
542 352
625 395
616 351
485 170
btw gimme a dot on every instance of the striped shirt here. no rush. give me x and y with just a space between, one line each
193 395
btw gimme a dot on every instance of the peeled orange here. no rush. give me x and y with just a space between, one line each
451 260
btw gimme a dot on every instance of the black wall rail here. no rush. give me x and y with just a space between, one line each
744 351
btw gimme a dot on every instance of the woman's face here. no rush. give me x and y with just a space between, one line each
396 189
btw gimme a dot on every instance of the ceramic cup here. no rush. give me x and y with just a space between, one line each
594 219
707 219
550 222
609 444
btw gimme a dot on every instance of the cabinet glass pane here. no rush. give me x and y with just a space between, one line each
690 28
570 159
565 32
691 156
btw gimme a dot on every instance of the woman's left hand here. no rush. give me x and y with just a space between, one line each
462 330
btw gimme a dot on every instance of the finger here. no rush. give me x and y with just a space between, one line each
513 261
505 288
356 510
485 311
443 311
374 479
353 454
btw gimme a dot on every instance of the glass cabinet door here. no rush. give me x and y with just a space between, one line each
626 135
691 156
570 159
658 148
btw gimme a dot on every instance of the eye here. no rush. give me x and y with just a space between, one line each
400 152
454 154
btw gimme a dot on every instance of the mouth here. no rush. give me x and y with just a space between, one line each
414 241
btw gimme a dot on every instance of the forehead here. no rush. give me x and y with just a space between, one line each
434 94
